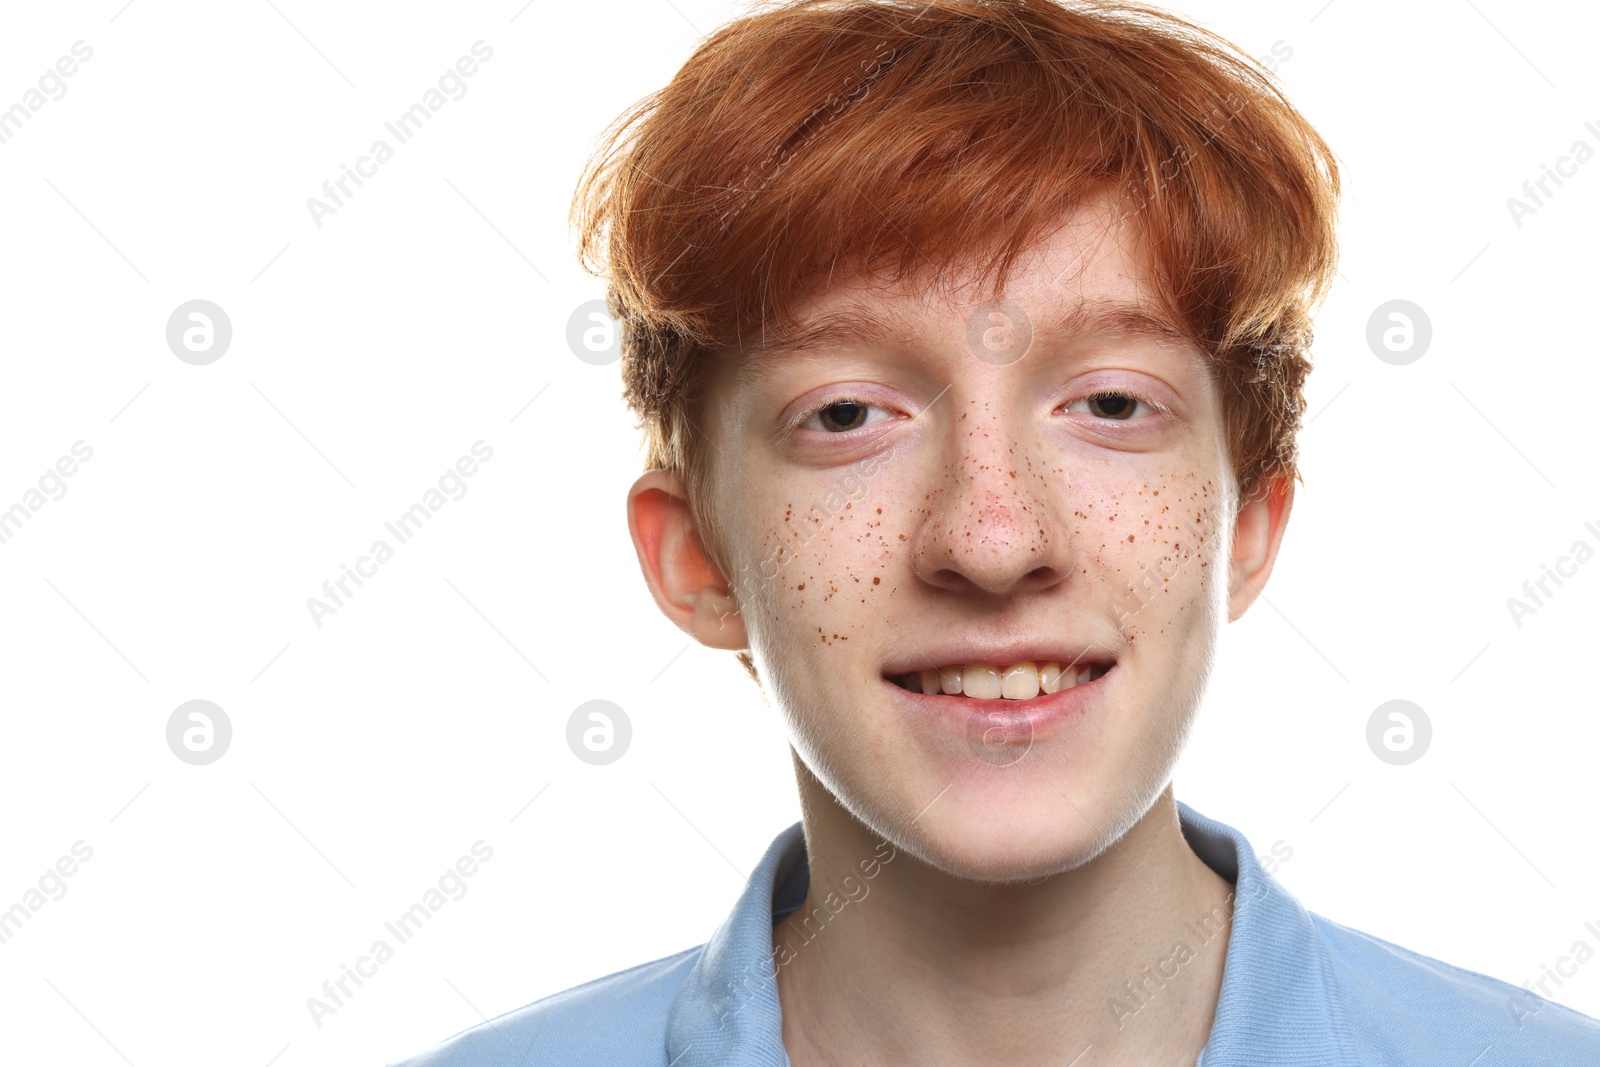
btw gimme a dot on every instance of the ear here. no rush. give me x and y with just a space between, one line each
1258 531
686 585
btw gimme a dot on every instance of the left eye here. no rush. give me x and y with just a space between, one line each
1113 406
841 415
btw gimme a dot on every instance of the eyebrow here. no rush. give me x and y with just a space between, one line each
867 326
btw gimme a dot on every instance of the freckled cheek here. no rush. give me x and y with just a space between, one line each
811 571
1156 562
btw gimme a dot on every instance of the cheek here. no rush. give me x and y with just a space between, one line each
816 568
1154 549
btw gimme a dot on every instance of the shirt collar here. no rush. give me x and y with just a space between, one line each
1278 1003
1277 999
726 1013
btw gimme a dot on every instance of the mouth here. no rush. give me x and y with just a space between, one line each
1003 710
1008 683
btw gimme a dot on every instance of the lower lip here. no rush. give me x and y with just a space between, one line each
1005 721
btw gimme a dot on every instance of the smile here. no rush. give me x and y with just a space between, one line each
1016 681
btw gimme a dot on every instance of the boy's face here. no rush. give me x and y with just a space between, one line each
958 505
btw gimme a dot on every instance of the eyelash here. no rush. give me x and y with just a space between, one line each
1101 394
1136 397
817 409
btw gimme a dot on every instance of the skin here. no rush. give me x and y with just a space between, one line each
1002 501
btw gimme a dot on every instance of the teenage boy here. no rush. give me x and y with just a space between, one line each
969 340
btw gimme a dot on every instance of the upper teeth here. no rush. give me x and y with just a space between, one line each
984 681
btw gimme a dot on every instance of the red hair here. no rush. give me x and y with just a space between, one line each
815 135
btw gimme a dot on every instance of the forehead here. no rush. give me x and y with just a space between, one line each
856 325
1086 280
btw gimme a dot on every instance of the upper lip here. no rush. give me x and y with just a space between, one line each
1002 654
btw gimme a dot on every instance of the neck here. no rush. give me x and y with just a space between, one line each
891 961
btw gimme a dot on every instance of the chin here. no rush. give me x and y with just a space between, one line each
973 847
1002 825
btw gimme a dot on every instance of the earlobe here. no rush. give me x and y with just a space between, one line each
1258 533
686 585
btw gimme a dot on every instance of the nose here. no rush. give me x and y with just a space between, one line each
991 525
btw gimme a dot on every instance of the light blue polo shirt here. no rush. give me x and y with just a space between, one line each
1297 990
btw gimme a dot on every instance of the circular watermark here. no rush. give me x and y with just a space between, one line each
1001 737
1399 732
1399 332
199 332
198 732
999 332
592 334
598 732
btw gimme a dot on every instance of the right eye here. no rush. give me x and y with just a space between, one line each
840 416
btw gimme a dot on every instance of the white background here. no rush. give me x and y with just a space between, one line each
368 354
